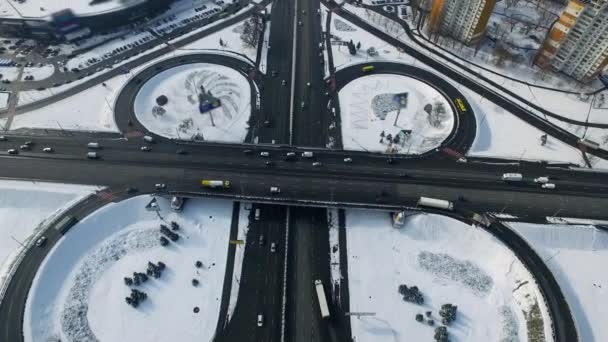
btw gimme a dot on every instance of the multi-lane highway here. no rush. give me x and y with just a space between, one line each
293 113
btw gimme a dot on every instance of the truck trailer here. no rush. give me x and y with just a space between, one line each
215 184
435 203
322 300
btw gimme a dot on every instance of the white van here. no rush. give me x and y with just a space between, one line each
257 214
512 177
307 154
93 145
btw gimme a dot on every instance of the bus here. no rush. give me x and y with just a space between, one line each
368 68
65 223
460 105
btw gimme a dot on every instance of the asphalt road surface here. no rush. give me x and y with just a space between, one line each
261 281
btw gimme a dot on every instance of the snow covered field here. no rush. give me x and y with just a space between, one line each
90 110
39 73
449 262
24 208
79 292
368 107
180 118
577 257
4 99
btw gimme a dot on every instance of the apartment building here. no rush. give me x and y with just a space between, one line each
463 20
577 44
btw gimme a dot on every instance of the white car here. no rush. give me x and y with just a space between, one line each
316 164
260 320
145 149
348 160
264 154
548 186
541 180
160 186
273 247
177 203
275 190
47 150
41 242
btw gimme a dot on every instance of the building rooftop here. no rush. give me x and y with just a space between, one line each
37 9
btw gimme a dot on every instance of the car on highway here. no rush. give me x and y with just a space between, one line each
93 145
41 241
92 155
283 82
257 214
24 147
247 151
541 180
148 139
177 203
28 143
290 156
145 149
12 151
307 154
160 186
273 247
275 190
182 152
548 186
268 163
317 164
348 160
48 150
260 320
2 138
264 154
261 240
131 190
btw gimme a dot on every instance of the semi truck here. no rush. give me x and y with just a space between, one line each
435 203
65 223
215 184
322 300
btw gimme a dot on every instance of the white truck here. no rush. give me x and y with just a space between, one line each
512 177
322 300
215 184
435 203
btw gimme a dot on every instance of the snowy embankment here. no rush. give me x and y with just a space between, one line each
180 117
371 111
25 208
448 261
4 100
39 72
79 291
577 257
238 256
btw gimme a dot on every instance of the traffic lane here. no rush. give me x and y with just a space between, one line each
462 174
304 186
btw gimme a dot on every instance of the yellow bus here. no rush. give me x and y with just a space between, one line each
368 68
460 105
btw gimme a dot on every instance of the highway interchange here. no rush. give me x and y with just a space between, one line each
296 218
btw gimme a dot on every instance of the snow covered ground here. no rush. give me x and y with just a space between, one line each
43 8
4 99
334 247
39 73
238 256
368 107
9 73
503 135
180 118
577 257
79 294
90 110
24 209
449 262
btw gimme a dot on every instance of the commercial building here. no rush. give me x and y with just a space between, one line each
71 19
577 44
463 20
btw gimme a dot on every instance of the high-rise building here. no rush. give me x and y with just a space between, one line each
463 20
577 44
